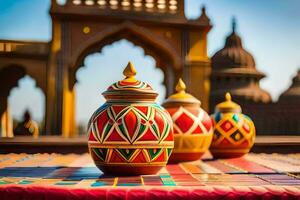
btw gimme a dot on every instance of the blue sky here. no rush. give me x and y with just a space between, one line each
270 30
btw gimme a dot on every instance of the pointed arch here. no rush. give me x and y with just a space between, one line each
11 74
153 45
10 77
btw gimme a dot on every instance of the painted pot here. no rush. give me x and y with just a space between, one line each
193 128
234 132
130 134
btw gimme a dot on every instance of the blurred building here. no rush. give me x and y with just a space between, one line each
82 27
234 71
178 45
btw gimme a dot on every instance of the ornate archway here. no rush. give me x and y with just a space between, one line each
166 58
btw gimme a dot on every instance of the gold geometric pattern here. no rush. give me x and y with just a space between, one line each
232 129
191 141
197 143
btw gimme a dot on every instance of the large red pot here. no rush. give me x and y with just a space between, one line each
130 134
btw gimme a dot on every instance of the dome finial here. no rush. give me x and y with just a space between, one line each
180 87
203 9
203 17
233 24
130 71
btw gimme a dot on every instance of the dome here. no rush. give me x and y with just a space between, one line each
234 71
233 55
293 92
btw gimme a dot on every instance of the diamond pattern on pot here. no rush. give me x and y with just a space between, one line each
226 125
184 122
233 131
130 124
191 121
237 136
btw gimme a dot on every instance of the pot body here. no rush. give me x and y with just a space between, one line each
130 138
193 132
234 135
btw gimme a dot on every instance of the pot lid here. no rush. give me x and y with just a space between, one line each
228 105
130 88
181 97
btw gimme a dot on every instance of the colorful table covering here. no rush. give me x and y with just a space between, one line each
71 176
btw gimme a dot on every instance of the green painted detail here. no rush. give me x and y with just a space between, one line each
140 114
169 183
122 129
162 176
4 182
154 127
166 130
101 153
142 129
66 183
235 117
127 153
122 112
98 184
154 153
107 129
24 182
169 150
115 85
99 110
167 180
157 106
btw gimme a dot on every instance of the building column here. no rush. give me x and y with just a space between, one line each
68 113
197 67
6 119
198 81
52 120
60 112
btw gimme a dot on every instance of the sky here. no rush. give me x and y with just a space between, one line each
270 30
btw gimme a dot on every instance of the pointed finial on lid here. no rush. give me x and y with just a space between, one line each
228 105
228 96
180 87
181 97
233 24
130 72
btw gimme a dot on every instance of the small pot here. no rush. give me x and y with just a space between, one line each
234 132
193 128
